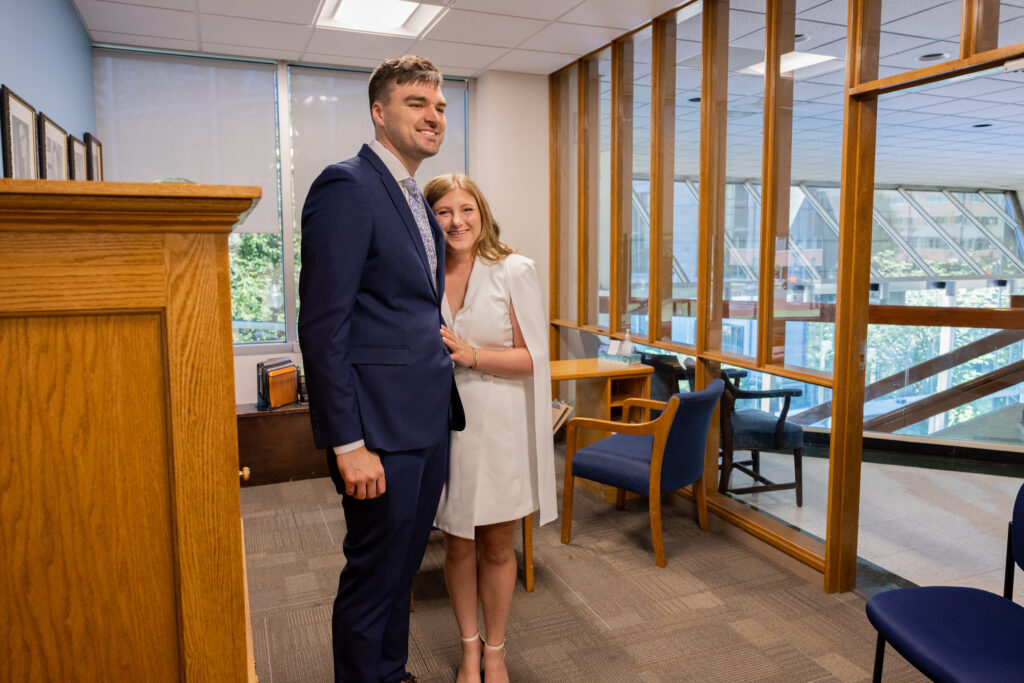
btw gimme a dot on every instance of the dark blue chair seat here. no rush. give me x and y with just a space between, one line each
756 429
649 458
951 633
621 460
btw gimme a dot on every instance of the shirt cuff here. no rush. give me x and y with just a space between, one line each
338 450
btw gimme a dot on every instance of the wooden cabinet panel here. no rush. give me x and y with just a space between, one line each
119 499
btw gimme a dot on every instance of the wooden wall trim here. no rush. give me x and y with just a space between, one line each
122 207
979 27
775 172
663 129
714 84
937 72
621 182
711 202
556 138
855 224
946 316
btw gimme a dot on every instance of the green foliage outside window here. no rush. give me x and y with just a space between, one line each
257 291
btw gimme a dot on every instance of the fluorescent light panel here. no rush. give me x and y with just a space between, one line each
389 17
791 61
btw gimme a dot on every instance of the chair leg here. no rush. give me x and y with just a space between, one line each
528 552
656 538
567 505
755 460
620 499
700 497
798 470
876 676
726 470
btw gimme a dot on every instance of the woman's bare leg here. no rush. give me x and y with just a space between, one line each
496 573
460 576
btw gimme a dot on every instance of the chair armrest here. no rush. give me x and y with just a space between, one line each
767 393
643 403
612 426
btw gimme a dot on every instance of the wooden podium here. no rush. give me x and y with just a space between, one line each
119 496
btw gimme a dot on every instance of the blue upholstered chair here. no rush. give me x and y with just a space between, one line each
647 458
953 633
755 430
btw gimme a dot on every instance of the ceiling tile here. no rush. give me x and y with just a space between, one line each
531 62
99 15
482 28
831 11
572 39
291 12
264 34
908 60
941 22
546 10
328 41
458 54
617 14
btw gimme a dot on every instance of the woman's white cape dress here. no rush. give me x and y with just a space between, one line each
502 465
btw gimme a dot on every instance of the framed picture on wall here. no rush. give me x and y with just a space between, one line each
76 159
93 157
53 149
19 136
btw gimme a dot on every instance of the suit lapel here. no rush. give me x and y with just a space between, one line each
405 213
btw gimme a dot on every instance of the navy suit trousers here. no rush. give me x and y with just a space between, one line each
384 545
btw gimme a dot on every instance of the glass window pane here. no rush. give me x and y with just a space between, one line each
956 224
635 244
742 233
210 121
257 288
918 34
597 185
567 163
915 374
681 302
1011 22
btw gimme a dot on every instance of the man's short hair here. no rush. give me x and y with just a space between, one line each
399 70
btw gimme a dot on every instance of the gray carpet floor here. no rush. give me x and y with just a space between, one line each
601 611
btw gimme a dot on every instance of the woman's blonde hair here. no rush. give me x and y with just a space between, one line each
487 246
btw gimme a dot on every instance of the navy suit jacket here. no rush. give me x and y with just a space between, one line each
369 318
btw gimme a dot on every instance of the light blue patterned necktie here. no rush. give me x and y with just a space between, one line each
419 212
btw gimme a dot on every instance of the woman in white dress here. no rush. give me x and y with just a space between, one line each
501 467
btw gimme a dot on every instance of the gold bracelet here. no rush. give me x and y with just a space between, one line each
473 366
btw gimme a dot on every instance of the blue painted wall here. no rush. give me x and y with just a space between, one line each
46 59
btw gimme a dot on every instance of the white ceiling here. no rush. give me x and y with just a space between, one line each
926 137
528 36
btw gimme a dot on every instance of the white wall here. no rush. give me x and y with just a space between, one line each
508 159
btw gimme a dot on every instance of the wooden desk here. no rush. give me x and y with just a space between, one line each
277 445
601 387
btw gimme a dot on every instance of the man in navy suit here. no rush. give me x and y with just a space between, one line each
381 391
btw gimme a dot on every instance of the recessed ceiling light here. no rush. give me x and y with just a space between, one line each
791 61
981 125
391 17
933 56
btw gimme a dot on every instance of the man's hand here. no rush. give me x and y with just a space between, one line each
362 472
